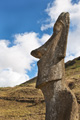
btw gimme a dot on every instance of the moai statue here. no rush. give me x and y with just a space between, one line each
61 103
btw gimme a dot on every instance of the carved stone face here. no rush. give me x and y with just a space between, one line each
61 25
52 53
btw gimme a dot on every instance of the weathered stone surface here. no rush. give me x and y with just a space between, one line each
61 103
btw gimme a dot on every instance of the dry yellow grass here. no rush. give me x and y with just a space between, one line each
25 102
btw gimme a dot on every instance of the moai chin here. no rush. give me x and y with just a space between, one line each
61 103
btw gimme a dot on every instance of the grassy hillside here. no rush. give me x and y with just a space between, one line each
25 102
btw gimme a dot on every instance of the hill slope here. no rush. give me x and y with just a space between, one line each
25 102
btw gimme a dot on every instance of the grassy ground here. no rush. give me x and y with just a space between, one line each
22 102
12 110
25 102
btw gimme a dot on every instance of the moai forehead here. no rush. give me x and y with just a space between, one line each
52 53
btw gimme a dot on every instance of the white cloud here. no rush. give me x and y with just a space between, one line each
18 56
44 38
16 60
8 77
53 10
46 26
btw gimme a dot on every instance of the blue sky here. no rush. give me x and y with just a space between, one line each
26 25
19 16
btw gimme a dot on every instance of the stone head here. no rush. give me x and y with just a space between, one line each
61 25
